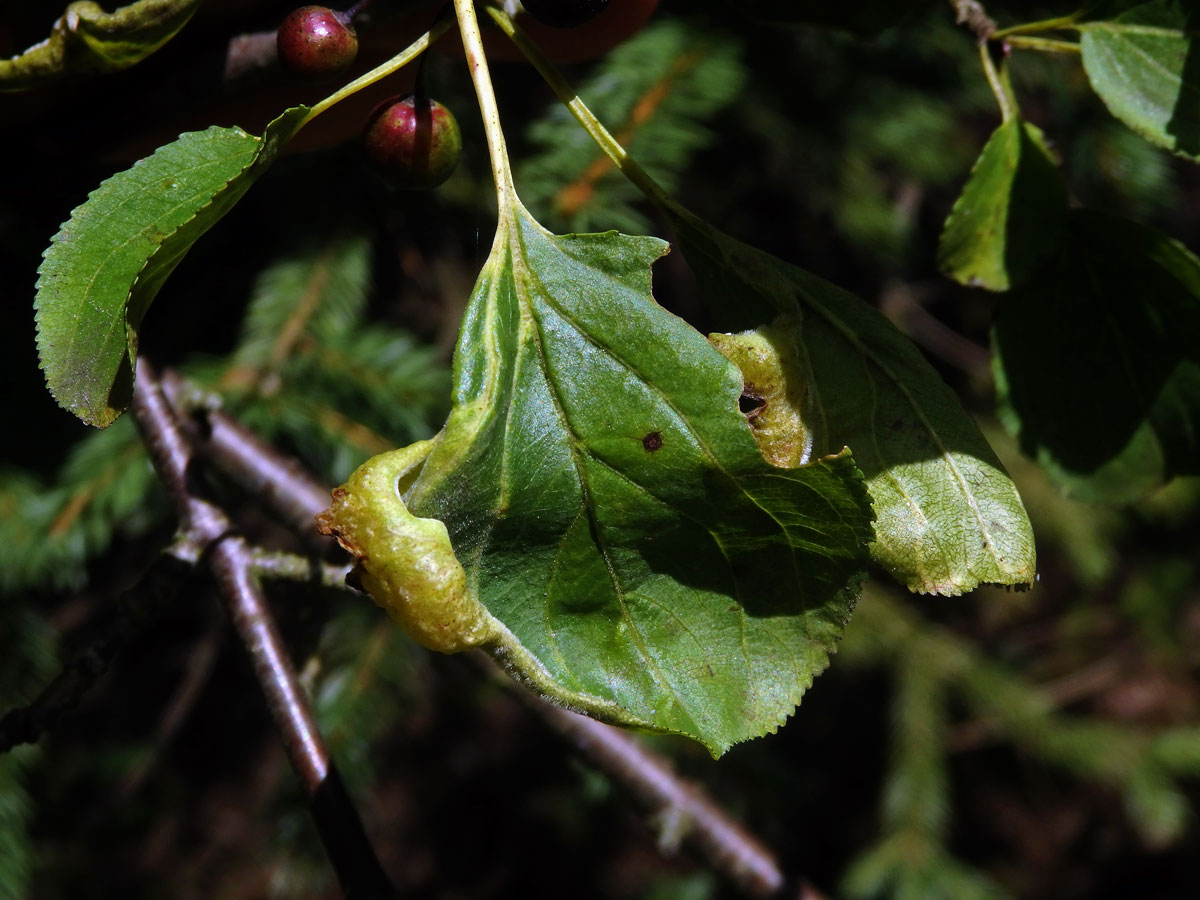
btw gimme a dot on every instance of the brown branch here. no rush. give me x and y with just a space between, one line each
972 14
232 564
249 54
724 843
685 809
902 304
277 480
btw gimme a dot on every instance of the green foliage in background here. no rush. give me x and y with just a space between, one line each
658 92
27 659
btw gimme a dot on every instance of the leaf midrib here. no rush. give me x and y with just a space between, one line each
515 251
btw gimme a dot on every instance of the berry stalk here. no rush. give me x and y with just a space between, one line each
602 136
395 64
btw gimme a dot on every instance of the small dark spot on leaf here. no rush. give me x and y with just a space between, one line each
652 441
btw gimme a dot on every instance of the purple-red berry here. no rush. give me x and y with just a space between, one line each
316 42
564 13
412 143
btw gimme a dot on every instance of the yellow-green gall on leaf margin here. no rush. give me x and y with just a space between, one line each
774 391
406 563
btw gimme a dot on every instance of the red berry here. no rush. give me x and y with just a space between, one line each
412 143
316 42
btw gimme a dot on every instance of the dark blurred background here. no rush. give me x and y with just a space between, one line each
1036 745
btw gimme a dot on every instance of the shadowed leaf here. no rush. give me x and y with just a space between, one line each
88 39
1009 216
1097 367
948 517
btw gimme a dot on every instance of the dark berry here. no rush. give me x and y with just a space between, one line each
564 13
412 143
316 42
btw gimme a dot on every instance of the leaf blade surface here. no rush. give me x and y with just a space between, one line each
1145 65
1010 213
111 257
612 509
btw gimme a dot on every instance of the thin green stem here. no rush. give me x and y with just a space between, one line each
1000 84
277 564
1058 24
601 135
397 62
468 26
1045 45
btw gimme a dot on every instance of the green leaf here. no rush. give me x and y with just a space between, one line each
948 517
106 264
611 508
1097 364
1144 66
88 39
1009 216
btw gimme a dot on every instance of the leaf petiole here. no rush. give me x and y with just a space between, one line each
998 80
602 136
1045 45
468 26
1060 23
395 64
